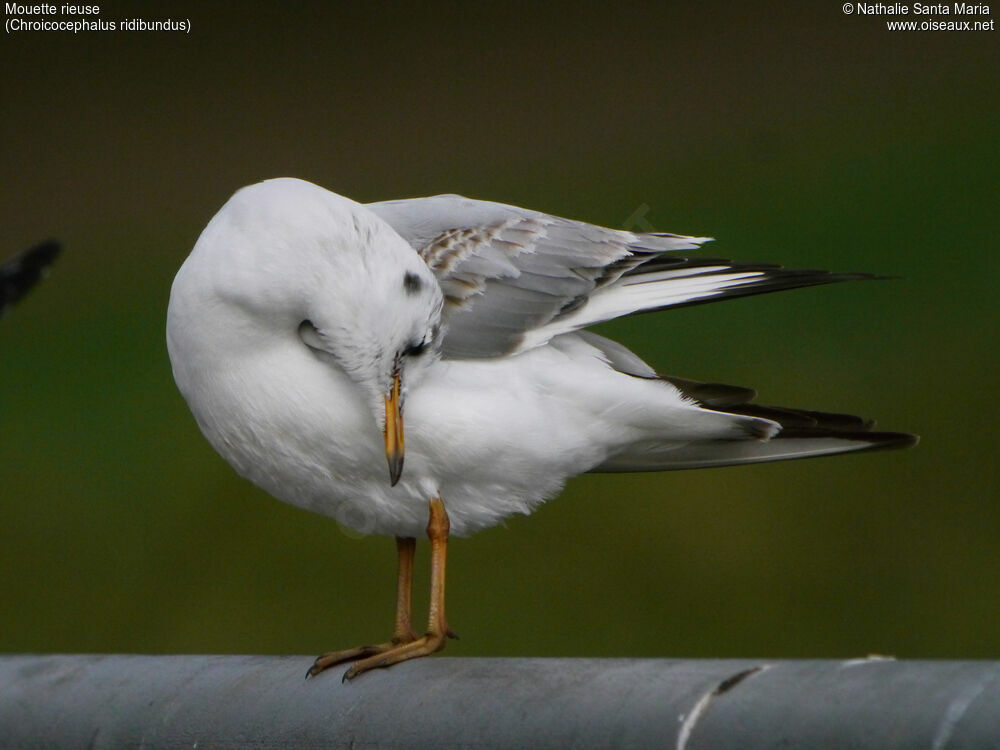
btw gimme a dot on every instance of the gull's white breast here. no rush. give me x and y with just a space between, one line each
490 437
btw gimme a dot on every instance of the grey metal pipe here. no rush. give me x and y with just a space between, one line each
264 702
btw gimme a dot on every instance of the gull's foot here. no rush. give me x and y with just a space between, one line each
333 658
428 644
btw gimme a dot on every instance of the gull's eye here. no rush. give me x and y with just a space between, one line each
415 349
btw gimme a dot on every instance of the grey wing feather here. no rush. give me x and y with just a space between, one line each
507 271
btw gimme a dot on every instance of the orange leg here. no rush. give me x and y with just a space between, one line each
437 626
402 632
404 644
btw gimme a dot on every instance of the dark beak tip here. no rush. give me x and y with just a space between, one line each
395 472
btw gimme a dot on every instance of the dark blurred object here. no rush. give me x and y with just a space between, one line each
24 270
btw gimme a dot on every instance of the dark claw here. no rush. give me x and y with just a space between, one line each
313 671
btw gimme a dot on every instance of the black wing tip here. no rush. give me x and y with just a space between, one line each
873 440
806 419
773 277
673 261
803 423
892 440
794 423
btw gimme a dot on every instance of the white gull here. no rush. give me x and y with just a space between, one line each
304 325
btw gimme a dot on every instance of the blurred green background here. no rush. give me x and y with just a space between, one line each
792 133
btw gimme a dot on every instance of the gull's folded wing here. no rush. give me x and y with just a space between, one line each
803 434
507 271
514 278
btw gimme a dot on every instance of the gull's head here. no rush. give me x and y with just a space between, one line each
285 260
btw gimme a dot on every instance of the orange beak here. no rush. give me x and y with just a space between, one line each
394 432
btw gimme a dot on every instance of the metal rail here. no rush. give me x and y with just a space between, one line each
119 701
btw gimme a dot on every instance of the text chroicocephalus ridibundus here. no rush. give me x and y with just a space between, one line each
303 326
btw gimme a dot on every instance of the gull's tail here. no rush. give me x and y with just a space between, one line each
23 271
803 434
